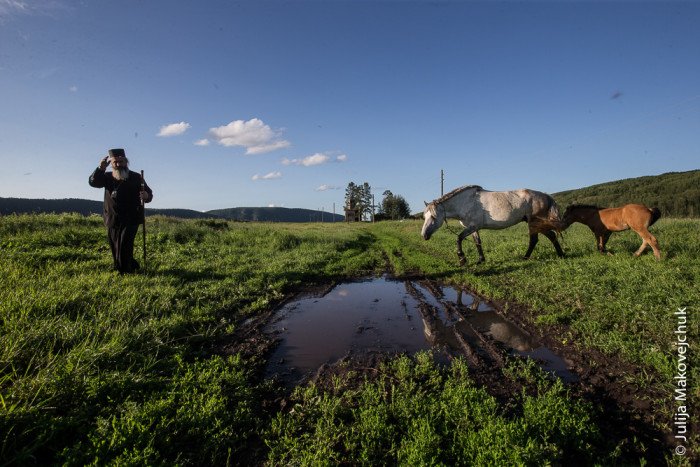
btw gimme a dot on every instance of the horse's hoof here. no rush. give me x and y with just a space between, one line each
481 261
462 262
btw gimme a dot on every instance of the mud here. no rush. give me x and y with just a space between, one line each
417 313
381 315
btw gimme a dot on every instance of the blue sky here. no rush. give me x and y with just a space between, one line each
268 103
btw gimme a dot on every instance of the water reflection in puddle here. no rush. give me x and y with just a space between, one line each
382 315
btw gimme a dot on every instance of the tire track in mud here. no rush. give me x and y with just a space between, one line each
432 321
626 412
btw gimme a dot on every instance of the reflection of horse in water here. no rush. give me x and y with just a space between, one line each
478 333
473 326
498 327
436 332
511 336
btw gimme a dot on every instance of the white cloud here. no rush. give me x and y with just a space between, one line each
315 159
9 8
326 187
73 89
173 129
253 135
273 146
202 142
270 176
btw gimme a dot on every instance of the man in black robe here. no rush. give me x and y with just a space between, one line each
123 207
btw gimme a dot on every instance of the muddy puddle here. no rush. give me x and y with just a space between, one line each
386 316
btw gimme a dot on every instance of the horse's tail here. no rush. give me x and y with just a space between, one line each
554 217
551 220
655 216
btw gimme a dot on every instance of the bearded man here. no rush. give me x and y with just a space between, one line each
123 207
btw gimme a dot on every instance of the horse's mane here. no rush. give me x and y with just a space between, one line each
583 206
456 191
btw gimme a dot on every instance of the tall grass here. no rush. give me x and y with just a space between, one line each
91 361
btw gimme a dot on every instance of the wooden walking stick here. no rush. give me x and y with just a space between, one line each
143 210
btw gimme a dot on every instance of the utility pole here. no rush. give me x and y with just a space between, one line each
372 208
334 212
442 183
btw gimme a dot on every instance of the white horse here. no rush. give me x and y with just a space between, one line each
477 209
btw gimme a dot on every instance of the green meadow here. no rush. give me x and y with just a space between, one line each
99 368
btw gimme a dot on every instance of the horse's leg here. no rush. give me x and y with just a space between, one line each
533 242
641 248
648 239
600 242
477 242
552 236
654 246
460 253
604 241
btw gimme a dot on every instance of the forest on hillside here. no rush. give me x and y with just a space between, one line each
676 194
81 206
85 207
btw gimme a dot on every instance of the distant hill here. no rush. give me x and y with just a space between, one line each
276 215
676 194
87 207
81 206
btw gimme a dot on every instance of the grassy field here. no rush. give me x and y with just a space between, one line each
101 368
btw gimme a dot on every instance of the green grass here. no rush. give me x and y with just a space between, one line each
413 413
101 368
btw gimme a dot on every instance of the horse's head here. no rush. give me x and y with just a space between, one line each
434 218
568 216
578 213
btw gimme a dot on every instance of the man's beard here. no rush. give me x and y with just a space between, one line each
120 174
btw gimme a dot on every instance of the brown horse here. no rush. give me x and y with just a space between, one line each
604 221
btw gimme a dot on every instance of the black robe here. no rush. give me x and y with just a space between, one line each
122 205
122 214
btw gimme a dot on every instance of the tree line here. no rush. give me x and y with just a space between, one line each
392 207
676 194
